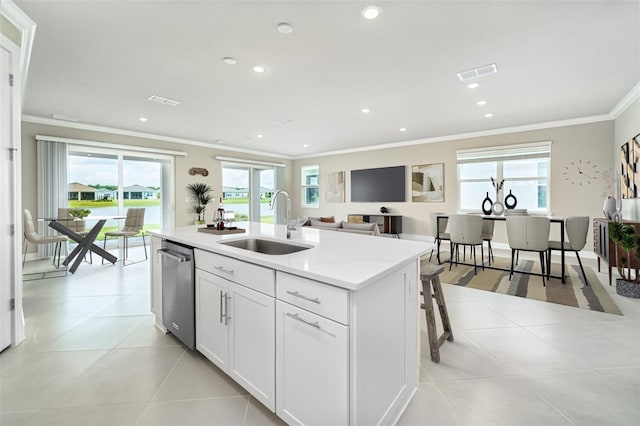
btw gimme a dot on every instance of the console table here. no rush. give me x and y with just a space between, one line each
388 224
605 249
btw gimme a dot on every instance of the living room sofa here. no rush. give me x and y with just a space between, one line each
329 224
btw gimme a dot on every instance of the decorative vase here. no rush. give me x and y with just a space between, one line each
627 288
487 209
497 208
507 201
609 207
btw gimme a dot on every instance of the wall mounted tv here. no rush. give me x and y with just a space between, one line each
383 184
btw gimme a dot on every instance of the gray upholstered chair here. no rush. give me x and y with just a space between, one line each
438 227
133 225
487 235
465 230
577 228
528 233
32 236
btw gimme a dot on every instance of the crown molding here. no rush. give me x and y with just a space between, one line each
469 135
27 28
112 130
631 97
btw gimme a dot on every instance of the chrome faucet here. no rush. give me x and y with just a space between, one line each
290 227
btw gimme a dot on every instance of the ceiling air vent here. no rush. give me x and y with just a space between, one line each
478 72
164 101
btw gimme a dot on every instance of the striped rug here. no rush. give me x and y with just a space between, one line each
572 293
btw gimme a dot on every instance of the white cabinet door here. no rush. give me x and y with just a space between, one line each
312 360
252 342
156 279
211 328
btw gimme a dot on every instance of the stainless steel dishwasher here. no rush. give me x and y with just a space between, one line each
178 291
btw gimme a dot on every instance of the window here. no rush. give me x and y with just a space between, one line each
247 190
524 168
310 176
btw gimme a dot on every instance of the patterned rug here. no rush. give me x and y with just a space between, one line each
572 293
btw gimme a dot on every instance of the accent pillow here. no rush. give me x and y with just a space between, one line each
327 225
328 219
362 227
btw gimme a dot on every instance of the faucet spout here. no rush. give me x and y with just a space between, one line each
288 214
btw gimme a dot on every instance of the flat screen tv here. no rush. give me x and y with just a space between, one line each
383 184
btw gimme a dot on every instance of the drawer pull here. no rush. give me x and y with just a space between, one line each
297 317
222 269
302 296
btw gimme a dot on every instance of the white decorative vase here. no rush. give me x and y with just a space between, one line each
609 207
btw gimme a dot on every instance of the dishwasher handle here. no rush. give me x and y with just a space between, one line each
174 255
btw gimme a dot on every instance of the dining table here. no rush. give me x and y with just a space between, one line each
84 243
552 219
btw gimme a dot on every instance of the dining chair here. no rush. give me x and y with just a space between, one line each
577 228
488 227
133 225
438 227
32 236
528 233
465 230
77 226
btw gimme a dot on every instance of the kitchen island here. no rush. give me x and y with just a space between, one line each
326 335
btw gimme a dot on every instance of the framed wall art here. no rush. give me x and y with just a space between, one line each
334 191
427 183
630 168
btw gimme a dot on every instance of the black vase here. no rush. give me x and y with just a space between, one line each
508 203
487 210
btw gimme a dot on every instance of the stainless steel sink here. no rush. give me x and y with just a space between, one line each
265 246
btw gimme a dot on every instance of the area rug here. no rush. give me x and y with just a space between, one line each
573 293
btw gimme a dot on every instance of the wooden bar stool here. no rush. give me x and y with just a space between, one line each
431 288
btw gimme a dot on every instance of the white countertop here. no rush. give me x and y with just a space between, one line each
342 259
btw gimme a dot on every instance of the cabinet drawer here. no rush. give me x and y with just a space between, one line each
323 299
253 276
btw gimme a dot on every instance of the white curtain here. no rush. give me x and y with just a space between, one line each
52 186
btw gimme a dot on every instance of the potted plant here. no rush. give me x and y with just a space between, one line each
79 213
624 237
203 195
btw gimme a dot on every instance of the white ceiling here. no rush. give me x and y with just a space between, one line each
99 61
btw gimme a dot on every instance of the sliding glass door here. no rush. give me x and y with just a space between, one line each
108 183
247 191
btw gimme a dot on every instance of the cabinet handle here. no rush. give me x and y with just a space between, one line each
297 317
226 309
221 314
302 296
222 269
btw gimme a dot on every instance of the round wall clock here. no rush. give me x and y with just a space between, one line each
581 172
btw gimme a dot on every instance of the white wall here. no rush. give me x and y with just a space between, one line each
586 142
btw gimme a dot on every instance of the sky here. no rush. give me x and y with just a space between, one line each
104 171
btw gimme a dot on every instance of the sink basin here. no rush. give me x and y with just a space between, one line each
264 246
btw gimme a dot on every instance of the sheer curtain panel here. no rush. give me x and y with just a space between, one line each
52 185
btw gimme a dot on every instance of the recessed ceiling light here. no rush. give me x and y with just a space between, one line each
403 129
143 119
259 136
371 12
305 145
473 85
285 28
365 110
481 103
259 69
488 115
229 60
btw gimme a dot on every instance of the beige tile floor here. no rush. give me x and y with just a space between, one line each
93 357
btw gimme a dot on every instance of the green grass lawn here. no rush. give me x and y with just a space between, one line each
89 204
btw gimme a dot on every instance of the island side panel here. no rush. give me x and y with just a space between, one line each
155 244
384 345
